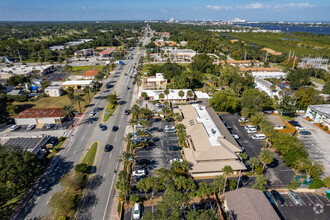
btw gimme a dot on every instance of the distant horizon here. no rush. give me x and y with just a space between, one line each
105 10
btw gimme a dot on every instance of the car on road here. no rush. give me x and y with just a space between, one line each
175 148
294 196
115 128
175 159
107 148
102 127
92 113
269 197
128 87
142 162
14 127
252 130
139 172
305 133
127 111
49 126
136 211
108 86
235 136
259 137
277 196
30 127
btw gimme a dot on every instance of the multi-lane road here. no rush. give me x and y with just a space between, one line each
97 200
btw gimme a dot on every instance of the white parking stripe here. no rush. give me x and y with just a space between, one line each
318 198
309 199
302 201
326 198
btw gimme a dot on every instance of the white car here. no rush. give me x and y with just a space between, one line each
139 173
92 113
235 136
242 119
249 127
136 211
14 127
252 130
30 127
259 137
175 159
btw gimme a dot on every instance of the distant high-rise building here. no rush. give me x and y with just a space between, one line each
171 20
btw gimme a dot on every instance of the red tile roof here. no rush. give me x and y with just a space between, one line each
41 113
91 73
108 50
264 69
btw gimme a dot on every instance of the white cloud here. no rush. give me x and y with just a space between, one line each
260 6
86 8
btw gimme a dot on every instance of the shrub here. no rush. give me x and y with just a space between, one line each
119 208
249 173
317 183
259 169
111 106
82 168
293 184
326 129
321 125
193 194
61 139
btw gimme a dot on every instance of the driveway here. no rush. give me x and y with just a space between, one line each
317 144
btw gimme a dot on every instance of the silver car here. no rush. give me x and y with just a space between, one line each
294 197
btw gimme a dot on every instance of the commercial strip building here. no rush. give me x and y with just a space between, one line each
107 52
264 86
180 54
40 116
268 74
157 82
84 52
7 72
54 90
211 146
173 96
241 63
76 84
248 204
161 43
319 114
90 74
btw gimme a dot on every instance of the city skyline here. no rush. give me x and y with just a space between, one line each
83 10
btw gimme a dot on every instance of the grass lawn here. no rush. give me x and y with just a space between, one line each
79 70
110 112
54 102
55 150
321 81
147 66
287 118
89 157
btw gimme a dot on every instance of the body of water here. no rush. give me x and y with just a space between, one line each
289 28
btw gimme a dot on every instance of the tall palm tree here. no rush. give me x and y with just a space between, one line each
227 171
86 90
126 157
78 99
266 157
68 112
190 93
166 92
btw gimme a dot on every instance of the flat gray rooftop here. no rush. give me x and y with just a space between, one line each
323 109
25 143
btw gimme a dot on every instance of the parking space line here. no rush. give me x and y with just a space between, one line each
294 203
302 201
309 199
318 198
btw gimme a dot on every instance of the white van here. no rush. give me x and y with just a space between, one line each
136 211
259 137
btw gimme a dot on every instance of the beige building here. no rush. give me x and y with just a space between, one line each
54 91
276 121
211 146
152 82
180 54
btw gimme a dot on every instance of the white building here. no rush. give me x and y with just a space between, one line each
319 114
173 96
264 75
180 54
40 116
76 84
264 85
7 72
202 95
54 91
157 81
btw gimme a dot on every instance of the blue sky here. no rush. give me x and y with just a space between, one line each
69 10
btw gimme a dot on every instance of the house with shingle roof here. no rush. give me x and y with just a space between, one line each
90 74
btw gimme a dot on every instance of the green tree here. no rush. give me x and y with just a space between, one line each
293 184
161 96
225 100
208 214
144 95
68 112
266 157
326 181
261 183
181 94
144 185
227 171
190 93
253 162
134 199
62 203
205 189
243 155
144 123
112 99
219 182
87 90
78 99
166 92
73 181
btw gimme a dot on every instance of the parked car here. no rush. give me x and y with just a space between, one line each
49 126
176 159
53 140
305 133
139 173
247 127
175 148
14 127
107 148
30 127
252 130
142 162
277 196
103 127
269 197
259 137
92 113
169 119
115 128
170 129
243 120
296 125
136 211
235 136
294 197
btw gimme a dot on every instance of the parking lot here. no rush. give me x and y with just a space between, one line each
313 206
158 152
278 173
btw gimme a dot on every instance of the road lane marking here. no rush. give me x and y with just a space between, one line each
106 206
110 155
309 199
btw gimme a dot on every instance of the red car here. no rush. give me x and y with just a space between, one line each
58 79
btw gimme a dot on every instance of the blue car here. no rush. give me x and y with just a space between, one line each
269 197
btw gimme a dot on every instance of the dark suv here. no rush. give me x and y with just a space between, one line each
103 127
174 148
277 196
142 162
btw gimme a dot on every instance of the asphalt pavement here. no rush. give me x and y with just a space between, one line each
100 188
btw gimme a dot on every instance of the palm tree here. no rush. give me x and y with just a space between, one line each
68 112
161 96
135 110
125 158
78 99
86 90
266 157
190 94
181 94
219 181
227 171
254 162
144 123
166 92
